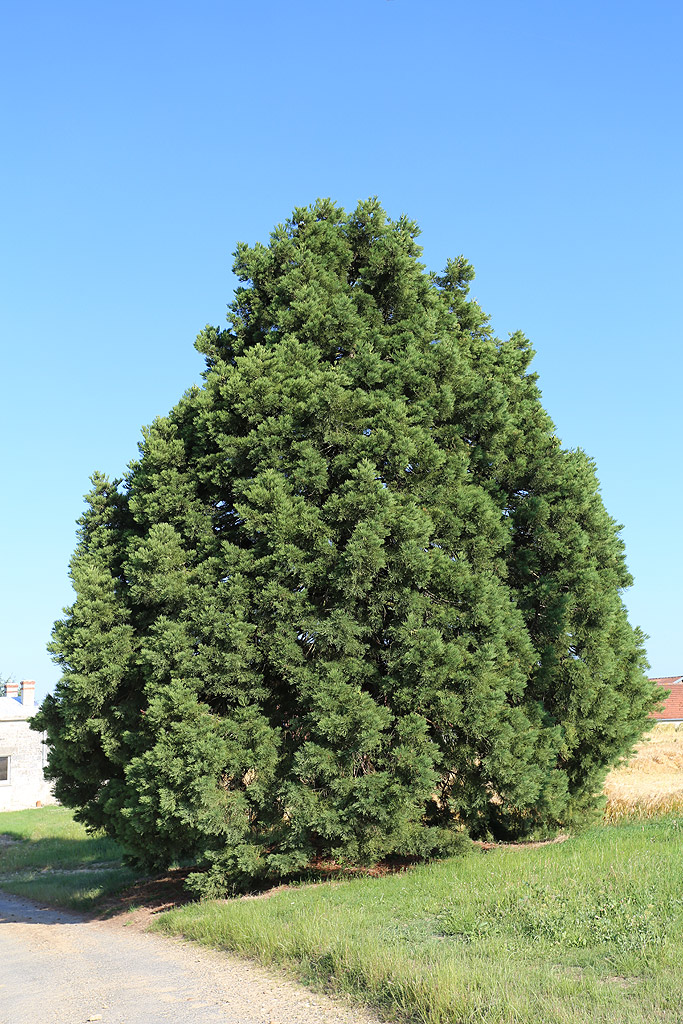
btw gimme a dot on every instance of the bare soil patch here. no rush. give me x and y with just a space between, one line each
6 840
488 846
137 906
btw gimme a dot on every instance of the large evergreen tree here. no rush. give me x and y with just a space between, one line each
354 599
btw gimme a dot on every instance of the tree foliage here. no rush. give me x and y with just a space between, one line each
354 599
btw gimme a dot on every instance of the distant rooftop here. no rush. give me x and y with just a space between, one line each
18 701
672 710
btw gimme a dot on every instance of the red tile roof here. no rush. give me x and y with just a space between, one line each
672 710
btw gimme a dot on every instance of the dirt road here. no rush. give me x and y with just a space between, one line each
59 968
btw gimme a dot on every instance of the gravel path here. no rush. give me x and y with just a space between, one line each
59 968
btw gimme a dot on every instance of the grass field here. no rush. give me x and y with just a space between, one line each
46 855
582 931
651 783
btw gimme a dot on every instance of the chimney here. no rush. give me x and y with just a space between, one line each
28 690
11 688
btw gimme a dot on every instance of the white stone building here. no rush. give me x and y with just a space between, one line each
22 751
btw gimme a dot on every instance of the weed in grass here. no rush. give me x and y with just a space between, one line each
621 917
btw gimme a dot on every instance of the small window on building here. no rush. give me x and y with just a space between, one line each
4 770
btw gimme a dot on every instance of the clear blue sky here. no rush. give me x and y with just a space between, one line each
141 141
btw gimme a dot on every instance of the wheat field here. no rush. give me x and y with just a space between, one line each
651 783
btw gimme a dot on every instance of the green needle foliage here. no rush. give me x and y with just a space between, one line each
354 600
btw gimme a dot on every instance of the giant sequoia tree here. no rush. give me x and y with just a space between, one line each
354 599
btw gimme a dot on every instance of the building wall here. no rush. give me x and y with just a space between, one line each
26 786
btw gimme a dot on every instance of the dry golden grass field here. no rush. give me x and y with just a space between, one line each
651 783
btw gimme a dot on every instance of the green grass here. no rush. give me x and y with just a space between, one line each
81 890
590 930
46 855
